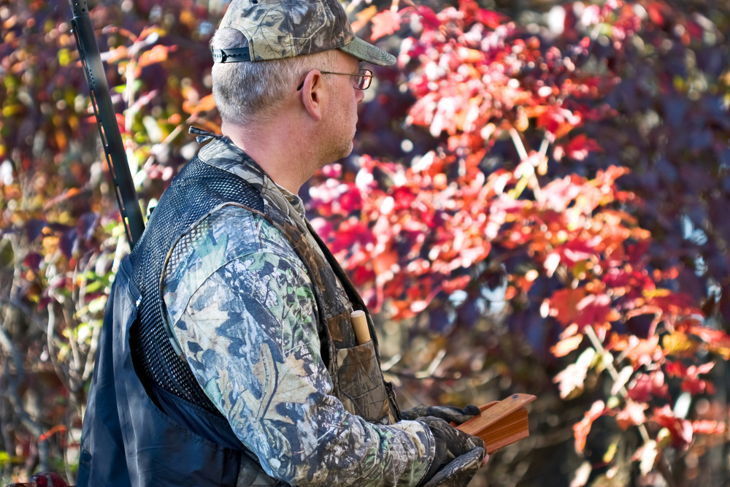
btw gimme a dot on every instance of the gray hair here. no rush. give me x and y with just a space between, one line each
245 90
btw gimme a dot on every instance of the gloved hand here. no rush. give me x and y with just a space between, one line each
458 455
450 414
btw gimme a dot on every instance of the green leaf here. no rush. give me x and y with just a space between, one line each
6 253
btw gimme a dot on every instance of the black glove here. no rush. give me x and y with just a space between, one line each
458 455
449 414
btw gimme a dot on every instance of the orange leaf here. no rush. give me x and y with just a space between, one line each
708 427
69 193
385 23
363 17
582 428
565 346
205 104
564 304
56 429
717 340
155 55
384 262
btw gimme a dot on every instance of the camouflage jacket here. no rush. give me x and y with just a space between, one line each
243 307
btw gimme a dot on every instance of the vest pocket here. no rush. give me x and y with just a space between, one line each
361 386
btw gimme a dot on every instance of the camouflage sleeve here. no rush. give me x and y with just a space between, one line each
250 335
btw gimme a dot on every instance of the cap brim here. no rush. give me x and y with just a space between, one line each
367 52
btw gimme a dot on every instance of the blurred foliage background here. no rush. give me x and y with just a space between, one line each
535 204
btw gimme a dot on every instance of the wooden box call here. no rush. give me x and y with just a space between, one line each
501 423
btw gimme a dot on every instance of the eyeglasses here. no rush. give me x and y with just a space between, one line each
360 80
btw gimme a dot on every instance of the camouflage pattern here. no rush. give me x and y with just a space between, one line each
287 28
361 388
366 394
254 309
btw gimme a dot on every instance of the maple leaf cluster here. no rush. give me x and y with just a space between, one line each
409 233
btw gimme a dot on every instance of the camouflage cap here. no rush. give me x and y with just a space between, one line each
277 29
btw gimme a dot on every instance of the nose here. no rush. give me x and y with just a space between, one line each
359 95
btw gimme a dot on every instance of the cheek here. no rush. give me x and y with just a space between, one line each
355 105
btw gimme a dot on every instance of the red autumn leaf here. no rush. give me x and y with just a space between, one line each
657 12
456 283
694 386
558 121
33 261
595 310
564 303
575 251
694 29
47 479
385 23
671 303
629 282
121 123
404 197
675 369
351 234
692 382
429 19
646 386
680 429
580 146
472 12
490 18
351 200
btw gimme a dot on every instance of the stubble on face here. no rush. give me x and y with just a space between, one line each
343 114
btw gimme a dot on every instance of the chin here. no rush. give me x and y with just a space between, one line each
346 150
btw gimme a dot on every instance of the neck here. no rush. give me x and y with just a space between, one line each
280 148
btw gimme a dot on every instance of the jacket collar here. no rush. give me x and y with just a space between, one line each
223 154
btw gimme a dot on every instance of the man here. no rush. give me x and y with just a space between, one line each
228 356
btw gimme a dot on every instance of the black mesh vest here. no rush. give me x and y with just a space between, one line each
195 191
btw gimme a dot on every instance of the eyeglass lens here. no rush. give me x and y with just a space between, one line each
363 79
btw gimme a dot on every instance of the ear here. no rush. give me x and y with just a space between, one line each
312 94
